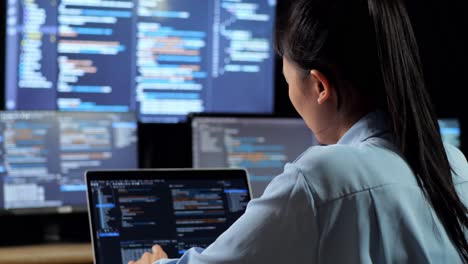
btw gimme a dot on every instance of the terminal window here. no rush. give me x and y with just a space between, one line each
43 155
132 215
159 58
263 146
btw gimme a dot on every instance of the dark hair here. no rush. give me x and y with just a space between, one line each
371 45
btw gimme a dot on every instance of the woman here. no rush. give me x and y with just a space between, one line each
383 188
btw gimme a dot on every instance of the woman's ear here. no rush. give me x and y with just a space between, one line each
322 86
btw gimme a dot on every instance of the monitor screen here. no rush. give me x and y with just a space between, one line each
175 209
43 156
450 131
261 145
159 58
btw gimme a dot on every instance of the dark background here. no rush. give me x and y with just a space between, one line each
441 28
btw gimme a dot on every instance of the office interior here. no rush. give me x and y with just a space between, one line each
440 29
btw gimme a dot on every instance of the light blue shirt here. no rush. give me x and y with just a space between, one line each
353 202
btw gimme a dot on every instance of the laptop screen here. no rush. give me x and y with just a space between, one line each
262 145
132 211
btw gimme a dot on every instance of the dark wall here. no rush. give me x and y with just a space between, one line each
441 30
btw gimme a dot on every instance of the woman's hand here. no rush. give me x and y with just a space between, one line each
150 258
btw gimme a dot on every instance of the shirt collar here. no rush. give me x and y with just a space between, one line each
374 124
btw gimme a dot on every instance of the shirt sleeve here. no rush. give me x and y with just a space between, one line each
272 229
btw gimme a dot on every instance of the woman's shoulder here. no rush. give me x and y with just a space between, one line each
458 164
339 159
338 170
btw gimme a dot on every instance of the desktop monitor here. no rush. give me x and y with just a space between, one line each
261 144
162 59
450 131
43 157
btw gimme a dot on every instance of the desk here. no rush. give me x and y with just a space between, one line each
50 254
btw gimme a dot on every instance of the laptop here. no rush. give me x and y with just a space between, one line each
130 211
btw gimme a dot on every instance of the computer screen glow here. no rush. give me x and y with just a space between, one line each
162 59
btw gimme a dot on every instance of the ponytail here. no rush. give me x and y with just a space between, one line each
414 122
335 35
